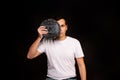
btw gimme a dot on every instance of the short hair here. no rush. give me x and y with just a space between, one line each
60 15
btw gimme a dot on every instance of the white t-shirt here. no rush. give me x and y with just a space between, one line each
61 57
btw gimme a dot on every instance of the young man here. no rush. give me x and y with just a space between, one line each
61 54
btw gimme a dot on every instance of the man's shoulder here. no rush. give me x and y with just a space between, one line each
72 38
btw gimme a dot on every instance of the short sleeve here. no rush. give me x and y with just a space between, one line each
78 49
41 47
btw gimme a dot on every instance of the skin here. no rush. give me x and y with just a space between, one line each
32 53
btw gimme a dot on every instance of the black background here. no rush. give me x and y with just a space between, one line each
93 23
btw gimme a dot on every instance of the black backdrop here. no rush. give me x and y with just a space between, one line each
91 22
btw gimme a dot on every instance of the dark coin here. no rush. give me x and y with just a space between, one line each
53 29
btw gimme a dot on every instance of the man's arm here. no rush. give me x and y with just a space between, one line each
33 52
82 68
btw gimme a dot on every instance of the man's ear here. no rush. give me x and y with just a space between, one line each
66 27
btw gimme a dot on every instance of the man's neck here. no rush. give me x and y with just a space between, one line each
62 38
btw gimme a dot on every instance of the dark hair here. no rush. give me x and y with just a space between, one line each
60 15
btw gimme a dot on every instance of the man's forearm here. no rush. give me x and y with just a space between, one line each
33 48
82 71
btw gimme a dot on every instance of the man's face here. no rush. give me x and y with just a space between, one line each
63 27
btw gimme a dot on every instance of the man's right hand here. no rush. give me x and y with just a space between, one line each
41 31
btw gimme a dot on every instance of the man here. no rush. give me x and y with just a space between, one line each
61 54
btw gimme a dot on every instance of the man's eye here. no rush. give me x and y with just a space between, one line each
62 25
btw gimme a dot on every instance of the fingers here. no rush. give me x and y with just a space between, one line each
42 30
